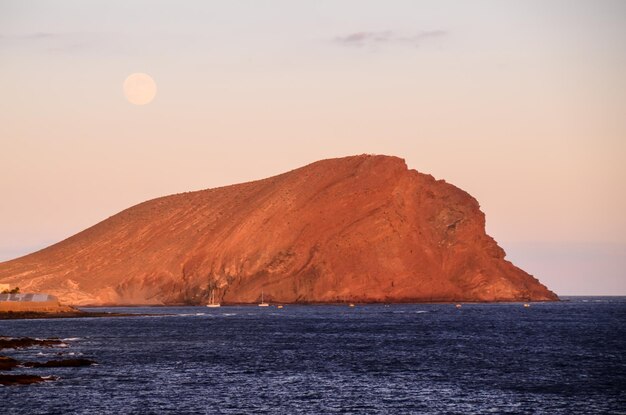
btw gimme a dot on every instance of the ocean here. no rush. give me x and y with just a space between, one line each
553 358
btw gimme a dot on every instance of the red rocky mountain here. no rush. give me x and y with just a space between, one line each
353 229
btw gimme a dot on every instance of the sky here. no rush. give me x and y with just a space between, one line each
520 103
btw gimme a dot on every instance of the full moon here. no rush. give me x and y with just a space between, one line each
139 89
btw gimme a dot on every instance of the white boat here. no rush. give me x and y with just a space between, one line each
212 303
263 303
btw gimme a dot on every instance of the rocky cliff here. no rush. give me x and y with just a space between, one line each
358 229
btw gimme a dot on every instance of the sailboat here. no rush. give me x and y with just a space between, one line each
263 303
212 302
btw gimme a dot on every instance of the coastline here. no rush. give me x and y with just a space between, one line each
28 315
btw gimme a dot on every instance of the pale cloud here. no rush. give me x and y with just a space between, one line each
69 43
377 38
30 36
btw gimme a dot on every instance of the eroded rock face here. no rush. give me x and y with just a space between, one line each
362 228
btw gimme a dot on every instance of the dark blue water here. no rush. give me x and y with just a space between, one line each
554 358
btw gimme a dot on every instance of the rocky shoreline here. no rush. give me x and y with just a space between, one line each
8 363
19 315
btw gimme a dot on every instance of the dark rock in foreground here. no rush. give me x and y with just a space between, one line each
11 380
6 363
20 343
61 363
